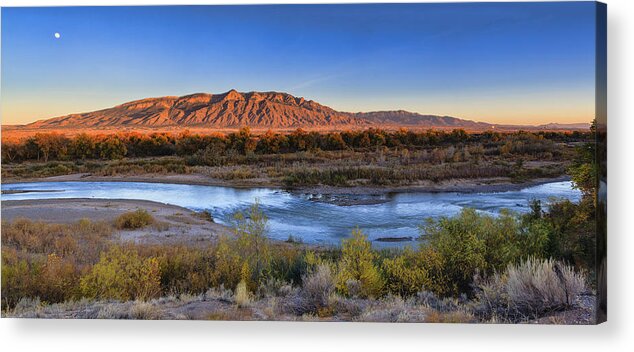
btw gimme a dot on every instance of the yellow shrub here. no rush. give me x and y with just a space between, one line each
405 274
122 274
228 267
242 295
133 220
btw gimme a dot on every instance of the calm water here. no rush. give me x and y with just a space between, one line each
298 215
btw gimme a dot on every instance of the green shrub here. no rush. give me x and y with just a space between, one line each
357 264
457 242
252 246
472 243
134 220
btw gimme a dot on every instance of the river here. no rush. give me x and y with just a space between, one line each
305 216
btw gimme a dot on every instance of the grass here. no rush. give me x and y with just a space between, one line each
242 295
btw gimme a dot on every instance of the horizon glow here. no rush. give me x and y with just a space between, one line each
507 63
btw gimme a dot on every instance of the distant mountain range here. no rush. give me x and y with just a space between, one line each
564 126
406 118
272 110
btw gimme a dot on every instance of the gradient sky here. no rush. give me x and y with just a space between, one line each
502 63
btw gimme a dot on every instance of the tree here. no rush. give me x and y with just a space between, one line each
252 244
112 148
50 144
83 146
10 152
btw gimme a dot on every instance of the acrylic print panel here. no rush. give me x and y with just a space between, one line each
432 162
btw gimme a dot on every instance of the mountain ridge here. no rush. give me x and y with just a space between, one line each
233 109
229 109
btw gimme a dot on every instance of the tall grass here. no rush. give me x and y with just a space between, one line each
528 290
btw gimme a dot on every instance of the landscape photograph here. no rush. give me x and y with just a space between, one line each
405 163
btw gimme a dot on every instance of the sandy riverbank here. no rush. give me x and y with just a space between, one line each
172 223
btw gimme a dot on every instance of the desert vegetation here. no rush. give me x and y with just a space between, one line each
134 220
300 158
467 268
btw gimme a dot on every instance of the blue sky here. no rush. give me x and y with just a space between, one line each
504 62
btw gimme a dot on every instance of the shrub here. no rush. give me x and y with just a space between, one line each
59 279
313 297
405 274
19 278
393 309
442 305
46 260
471 243
61 239
123 275
347 307
529 290
184 269
457 242
357 263
27 304
205 215
227 264
242 296
134 220
144 311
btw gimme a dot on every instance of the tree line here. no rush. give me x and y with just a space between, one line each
55 146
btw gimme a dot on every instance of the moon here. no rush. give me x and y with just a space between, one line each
57 35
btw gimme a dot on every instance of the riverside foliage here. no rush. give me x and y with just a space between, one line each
371 157
216 149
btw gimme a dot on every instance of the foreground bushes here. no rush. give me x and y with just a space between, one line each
122 275
472 243
528 290
357 273
314 296
496 262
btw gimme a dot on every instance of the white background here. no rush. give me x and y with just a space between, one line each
615 335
